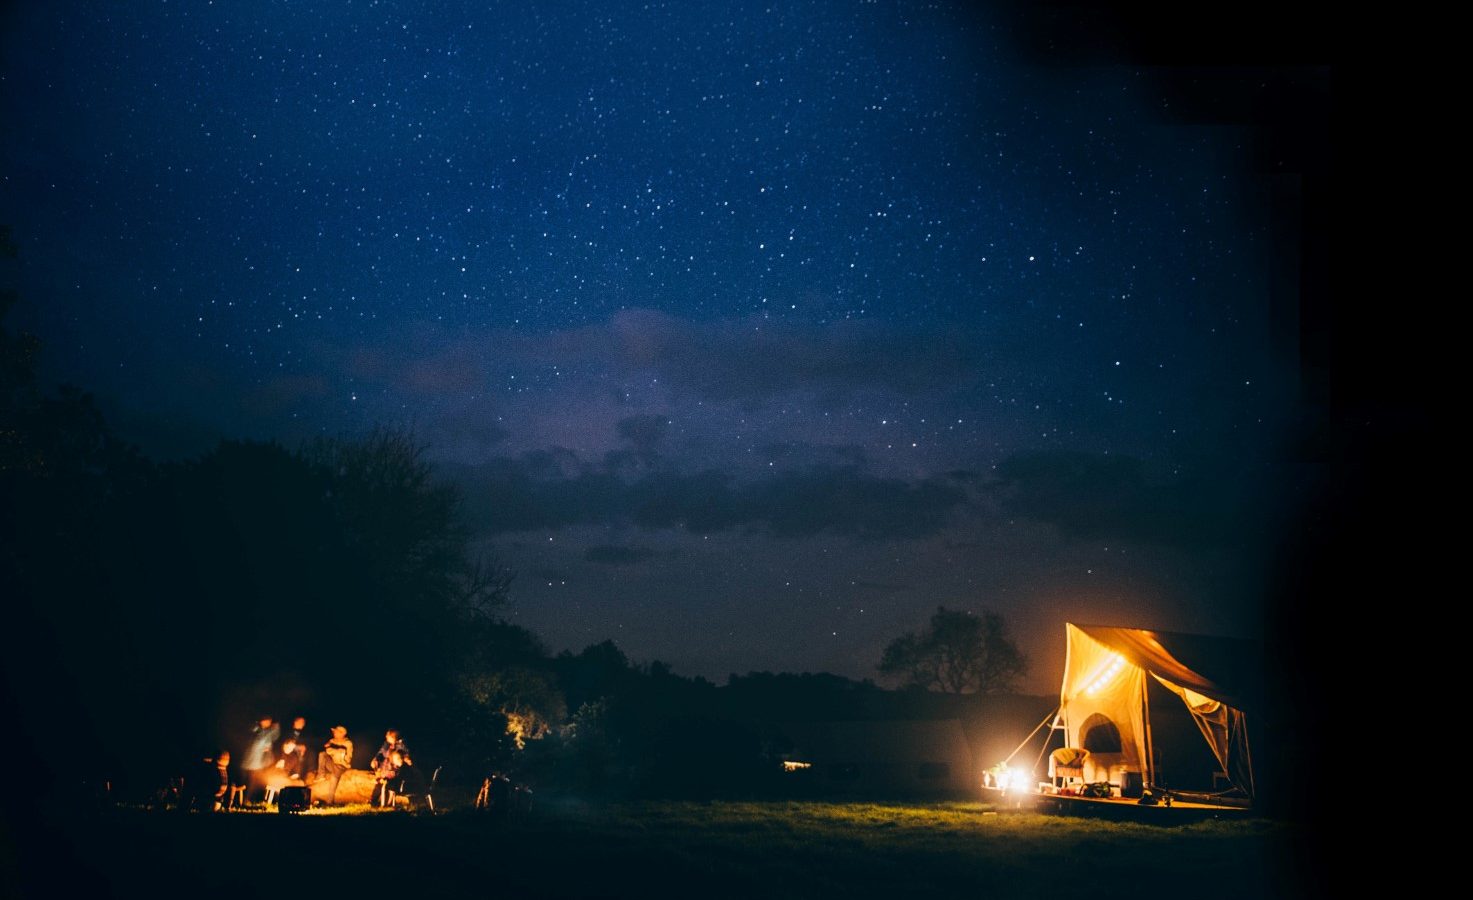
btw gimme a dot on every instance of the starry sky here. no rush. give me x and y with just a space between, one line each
751 335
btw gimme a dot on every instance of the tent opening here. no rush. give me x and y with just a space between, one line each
1100 734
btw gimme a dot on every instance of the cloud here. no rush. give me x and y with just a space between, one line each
285 392
725 360
738 359
449 433
617 555
547 490
645 433
839 455
460 368
846 501
1097 496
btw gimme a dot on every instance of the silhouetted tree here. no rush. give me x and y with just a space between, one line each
958 652
598 671
61 474
405 528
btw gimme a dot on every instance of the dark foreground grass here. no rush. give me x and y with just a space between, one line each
687 850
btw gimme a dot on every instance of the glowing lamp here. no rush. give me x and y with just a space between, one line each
1107 675
1012 780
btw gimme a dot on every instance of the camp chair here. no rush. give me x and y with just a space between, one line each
428 792
1066 763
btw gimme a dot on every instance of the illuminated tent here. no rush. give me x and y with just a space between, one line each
1104 706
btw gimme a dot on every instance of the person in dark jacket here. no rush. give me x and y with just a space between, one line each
207 785
392 742
291 756
407 778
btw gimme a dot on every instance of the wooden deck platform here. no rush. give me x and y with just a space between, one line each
1180 812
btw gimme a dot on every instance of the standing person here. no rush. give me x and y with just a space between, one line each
259 753
206 787
220 781
336 758
499 801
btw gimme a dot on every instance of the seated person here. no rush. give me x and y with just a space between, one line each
291 756
391 742
386 766
407 778
292 760
336 756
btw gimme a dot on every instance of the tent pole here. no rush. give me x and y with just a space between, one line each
1150 761
1046 719
1247 754
1052 728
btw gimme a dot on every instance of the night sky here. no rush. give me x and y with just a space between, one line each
751 335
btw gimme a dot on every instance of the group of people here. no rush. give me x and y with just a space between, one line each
273 758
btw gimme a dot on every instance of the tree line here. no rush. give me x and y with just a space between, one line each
155 609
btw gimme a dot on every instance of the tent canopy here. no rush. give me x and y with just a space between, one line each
1226 669
1103 698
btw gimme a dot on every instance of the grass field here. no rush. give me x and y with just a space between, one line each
670 849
